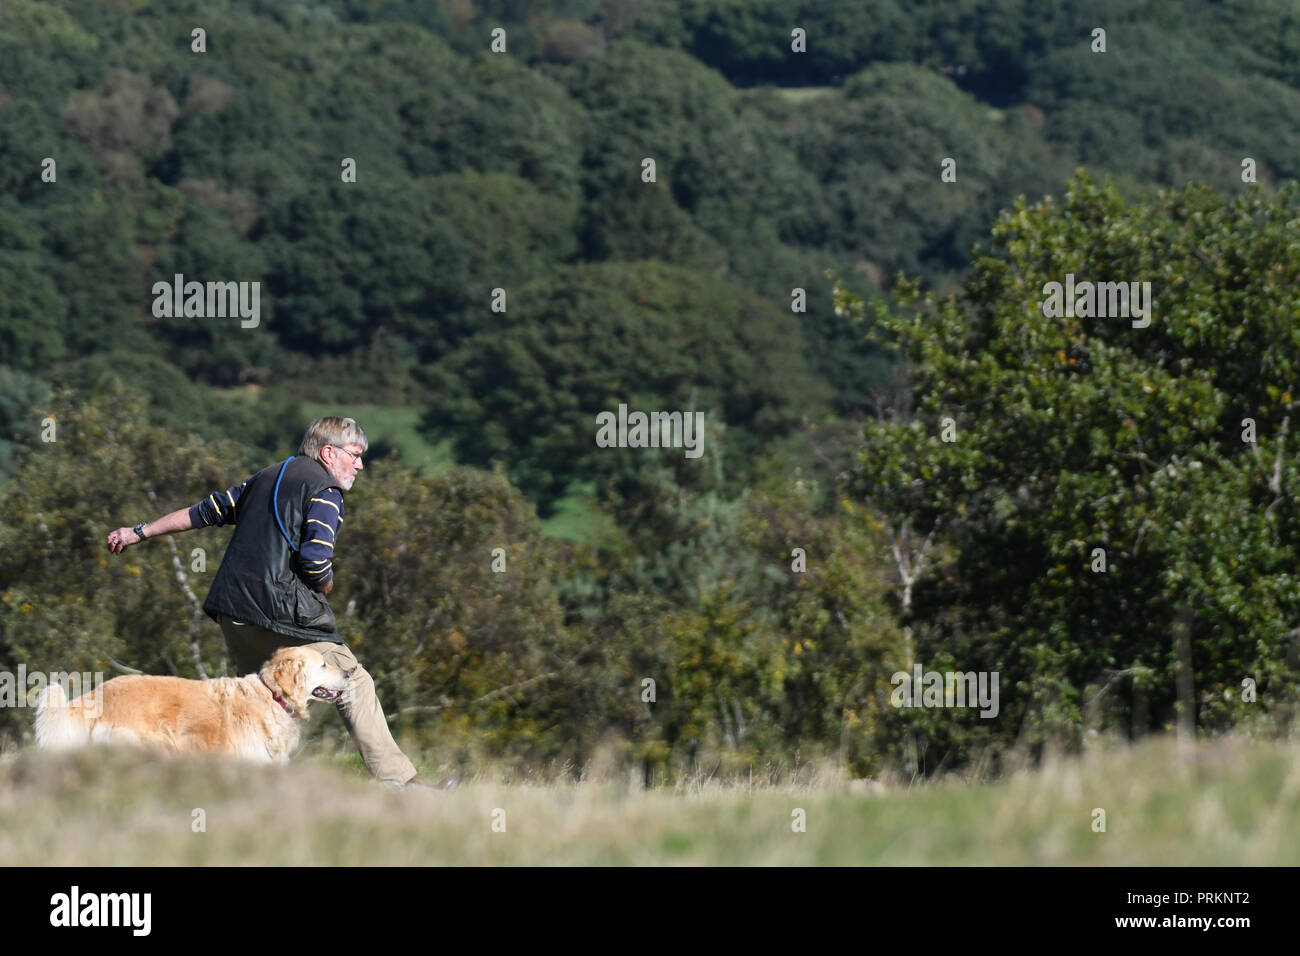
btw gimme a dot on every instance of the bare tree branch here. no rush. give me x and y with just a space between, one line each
49 540
1275 483
196 608
1137 545
123 667
910 568
1114 676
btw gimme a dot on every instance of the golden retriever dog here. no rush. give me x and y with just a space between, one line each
258 717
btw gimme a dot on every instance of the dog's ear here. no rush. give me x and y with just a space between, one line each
294 682
288 674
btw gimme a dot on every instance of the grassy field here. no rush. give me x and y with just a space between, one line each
1224 803
393 425
802 94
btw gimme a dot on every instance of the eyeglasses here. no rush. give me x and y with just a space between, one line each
356 459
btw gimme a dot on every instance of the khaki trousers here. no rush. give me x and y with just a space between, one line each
251 646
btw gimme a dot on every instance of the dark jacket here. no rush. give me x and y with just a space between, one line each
257 582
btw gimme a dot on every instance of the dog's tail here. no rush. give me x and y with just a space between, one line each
56 727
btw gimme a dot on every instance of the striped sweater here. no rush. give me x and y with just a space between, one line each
324 515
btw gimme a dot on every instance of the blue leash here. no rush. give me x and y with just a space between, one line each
275 503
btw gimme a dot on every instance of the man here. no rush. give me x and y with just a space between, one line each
271 588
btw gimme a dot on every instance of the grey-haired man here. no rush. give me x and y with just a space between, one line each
271 588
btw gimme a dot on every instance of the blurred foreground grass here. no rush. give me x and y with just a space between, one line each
1227 803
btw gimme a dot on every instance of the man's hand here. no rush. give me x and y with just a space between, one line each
325 590
121 539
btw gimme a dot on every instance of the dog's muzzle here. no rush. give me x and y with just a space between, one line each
324 693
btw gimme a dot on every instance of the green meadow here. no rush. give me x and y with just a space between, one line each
1226 802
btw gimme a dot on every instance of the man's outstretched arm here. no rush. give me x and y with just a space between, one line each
218 508
123 538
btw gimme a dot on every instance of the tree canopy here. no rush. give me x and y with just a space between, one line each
1102 485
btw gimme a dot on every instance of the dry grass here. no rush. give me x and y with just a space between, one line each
1226 803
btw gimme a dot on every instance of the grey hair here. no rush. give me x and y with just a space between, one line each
332 430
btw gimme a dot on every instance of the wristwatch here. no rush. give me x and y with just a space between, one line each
139 530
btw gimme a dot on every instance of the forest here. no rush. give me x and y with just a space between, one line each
838 256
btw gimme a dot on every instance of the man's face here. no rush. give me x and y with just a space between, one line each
342 464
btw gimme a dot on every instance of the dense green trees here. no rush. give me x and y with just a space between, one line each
21 395
157 146
1078 434
526 389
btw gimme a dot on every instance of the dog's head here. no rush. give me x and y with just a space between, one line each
299 674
